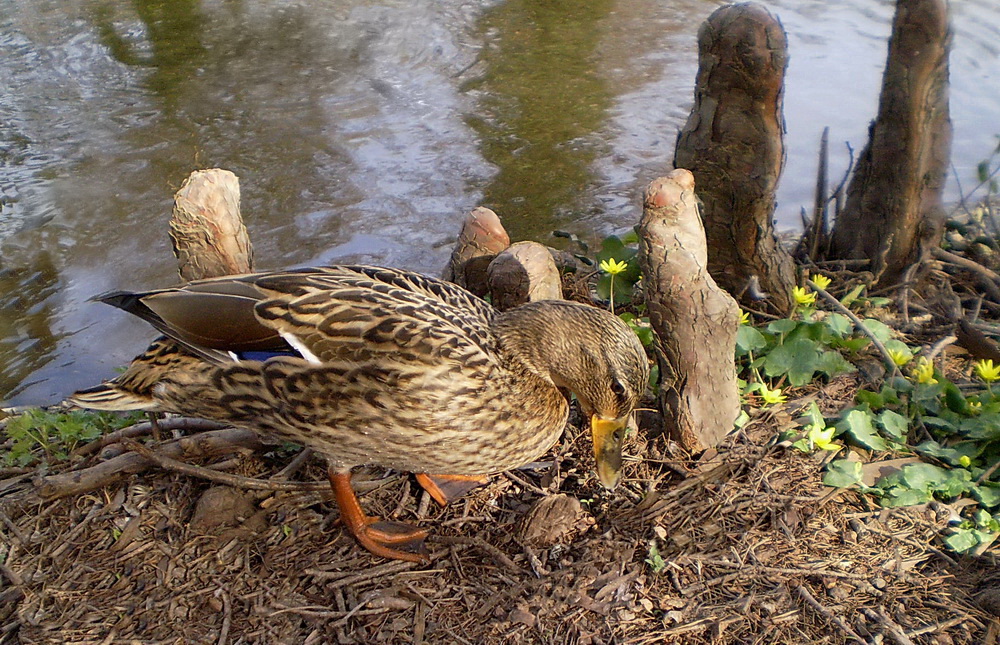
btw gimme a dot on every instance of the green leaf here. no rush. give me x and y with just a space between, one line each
842 473
798 359
874 400
749 339
623 290
613 247
854 344
922 476
852 296
895 385
958 482
839 324
858 424
906 497
928 397
988 495
782 326
962 540
983 171
878 329
939 423
984 426
814 417
894 425
953 398
832 364
951 455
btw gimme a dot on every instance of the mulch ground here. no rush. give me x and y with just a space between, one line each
743 546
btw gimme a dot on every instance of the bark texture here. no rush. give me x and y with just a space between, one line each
206 228
893 214
733 143
481 239
696 320
523 273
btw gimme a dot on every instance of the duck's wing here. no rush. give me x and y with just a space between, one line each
214 319
325 314
361 314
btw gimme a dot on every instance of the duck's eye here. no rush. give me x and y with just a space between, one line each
617 388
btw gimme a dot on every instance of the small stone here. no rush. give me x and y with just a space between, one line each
519 615
220 507
553 519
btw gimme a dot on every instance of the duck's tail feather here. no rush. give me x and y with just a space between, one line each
108 396
135 388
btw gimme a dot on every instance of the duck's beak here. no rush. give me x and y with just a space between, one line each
608 436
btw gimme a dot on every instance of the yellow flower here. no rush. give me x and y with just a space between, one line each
772 397
822 437
613 266
975 407
899 356
924 371
744 317
803 297
987 371
821 281
964 461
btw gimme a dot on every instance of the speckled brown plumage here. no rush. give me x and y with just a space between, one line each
394 368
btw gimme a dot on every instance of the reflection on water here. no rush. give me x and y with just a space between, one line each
363 130
540 101
173 31
26 312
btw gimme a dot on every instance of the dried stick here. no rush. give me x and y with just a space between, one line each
498 555
987 277
77 482
139 429
236 481
892 630
227 619
818 230
836 304
826 613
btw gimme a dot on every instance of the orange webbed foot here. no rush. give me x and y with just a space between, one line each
384 538
447 488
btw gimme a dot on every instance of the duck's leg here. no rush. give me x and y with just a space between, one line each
377 536
447 488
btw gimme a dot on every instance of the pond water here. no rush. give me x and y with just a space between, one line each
363 131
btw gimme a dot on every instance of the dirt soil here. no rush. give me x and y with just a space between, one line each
743 546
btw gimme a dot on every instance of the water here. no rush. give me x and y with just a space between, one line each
363 131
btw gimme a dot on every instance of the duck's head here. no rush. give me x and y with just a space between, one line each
595 355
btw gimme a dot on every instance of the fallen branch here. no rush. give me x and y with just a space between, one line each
236 481
77 482
836 304
499 556
828 614
988 278
139 429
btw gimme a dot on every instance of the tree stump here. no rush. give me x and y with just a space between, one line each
481 239
893 214
733 144
206 228
524 272
696 321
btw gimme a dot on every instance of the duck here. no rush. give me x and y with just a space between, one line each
378 366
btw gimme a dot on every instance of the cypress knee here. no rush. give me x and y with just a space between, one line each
695 319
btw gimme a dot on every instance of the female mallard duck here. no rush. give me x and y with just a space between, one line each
367 365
